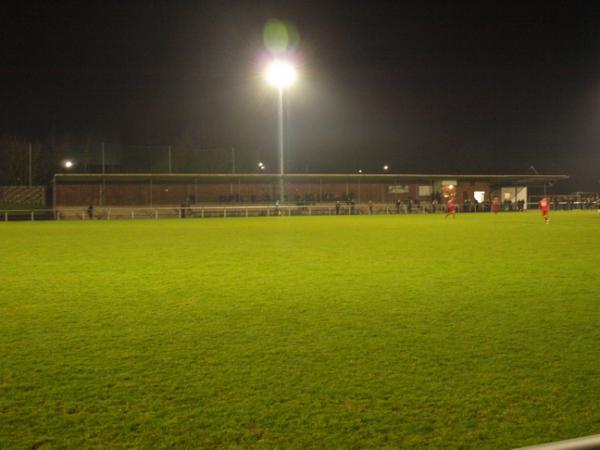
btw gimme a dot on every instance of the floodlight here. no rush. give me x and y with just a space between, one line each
68 164
281 74
386 167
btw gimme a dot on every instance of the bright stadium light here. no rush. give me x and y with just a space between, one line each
386 167
261 166
359 170
68 164
281 74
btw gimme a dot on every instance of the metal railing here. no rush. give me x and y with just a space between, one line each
133 213
27 214
584 443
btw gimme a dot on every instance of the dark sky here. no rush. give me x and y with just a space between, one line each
423 86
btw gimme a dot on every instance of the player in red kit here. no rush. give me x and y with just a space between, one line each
496 205
451 208
544 207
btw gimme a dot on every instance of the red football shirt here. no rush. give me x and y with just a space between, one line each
544 205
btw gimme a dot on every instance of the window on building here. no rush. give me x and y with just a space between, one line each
425 190
398 189
479 196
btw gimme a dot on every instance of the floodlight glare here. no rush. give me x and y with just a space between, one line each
386 167
281 74
68 164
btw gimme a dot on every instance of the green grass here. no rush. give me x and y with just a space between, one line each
309 332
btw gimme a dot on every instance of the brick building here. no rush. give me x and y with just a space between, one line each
174 189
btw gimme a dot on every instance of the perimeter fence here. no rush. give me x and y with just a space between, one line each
206 212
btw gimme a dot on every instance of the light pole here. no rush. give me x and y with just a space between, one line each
280 75
30 158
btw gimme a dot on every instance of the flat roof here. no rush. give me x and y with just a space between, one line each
513 179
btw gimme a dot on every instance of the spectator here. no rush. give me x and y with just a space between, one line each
90 211
184 206
337 208
370 205
496 205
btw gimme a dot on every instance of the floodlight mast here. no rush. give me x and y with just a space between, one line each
280 75
280 144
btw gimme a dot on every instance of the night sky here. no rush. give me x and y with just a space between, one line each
423 86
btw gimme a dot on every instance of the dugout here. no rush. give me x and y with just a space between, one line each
197 188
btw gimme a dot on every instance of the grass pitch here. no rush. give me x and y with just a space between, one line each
310 332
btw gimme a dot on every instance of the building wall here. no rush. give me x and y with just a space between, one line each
466 190
23 195
175 193
77 194
124 194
